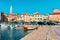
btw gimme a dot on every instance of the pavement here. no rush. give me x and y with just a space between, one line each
44 32
39 34
55 33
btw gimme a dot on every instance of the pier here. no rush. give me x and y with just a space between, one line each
44 33
39 34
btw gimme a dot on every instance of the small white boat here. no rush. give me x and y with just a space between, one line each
3 26
18 27
30 28
11 27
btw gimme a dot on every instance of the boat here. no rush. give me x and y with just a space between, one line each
18 27
30 28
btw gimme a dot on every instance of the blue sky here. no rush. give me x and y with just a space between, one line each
29 6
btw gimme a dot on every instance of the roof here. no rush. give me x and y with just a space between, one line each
58 13
25 14
36 13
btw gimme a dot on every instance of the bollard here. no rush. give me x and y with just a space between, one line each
25 29
36 28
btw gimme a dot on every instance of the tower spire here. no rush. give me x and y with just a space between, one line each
10 9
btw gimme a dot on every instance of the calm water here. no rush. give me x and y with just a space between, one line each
12 34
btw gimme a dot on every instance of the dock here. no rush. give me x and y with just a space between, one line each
44 33
39 34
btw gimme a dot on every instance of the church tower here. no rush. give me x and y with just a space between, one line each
10 9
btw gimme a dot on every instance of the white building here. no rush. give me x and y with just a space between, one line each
21 17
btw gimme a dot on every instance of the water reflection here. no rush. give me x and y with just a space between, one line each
12 34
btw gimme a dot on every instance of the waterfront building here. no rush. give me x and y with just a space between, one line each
26 17
55 16
2 17
11 16
46 17
7 15
31 17
38 17
21 17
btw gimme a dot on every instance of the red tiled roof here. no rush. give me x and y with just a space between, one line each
58 13
25 14
36 13
14 14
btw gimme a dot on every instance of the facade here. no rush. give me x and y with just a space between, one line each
31 18
55 16
38 17
26 17
46 17
21 17
13 17
2 17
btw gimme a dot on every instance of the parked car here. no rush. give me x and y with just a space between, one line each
41 23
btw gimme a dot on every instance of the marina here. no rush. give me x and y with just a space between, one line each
22 32
29 19
11 33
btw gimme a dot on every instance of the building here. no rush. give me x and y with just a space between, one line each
11 16
26 17
7 15
38 17
11 10
55 16
45 17
2 17
31 17
21 17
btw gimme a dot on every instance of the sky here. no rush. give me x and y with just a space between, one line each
29 6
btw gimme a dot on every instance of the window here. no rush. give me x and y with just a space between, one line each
38 15
35 18
35 15
40 18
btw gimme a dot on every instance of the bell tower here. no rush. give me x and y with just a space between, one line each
10 9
